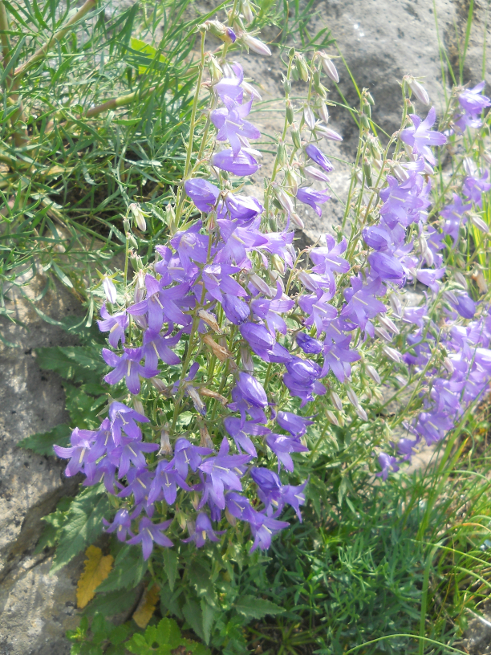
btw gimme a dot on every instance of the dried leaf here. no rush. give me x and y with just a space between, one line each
219 351
146 606
210 320
97 568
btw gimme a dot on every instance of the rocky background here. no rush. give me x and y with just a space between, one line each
381 40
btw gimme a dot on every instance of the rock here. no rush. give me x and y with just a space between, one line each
35 609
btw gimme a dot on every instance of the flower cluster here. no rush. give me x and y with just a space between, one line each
224 301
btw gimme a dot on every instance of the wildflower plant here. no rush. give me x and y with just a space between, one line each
228 345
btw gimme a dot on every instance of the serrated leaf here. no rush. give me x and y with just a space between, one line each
255 608
129 569
42 443
82 407
97 568
146 606
168 633
83 525
192 614
139 646
208 619
170 566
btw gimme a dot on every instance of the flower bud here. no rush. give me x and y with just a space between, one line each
284 199
160 386
361 413
392 354
216 73
138 216
246 9
447 363
370 99
479 223
296 137
302 68
246 359
138 405
395 304
261 285
460 279
419 91
336 400
287 86
372 372
256 45
297 220
315 174
281 155
401 174
289 112
331 417
208 393
165 446
323 112
327 133
329 67
252 91
388 323
292 181
109 290
353 398
308 116
278 264
382 333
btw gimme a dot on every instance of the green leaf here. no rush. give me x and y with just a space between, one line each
129 569
82 526
170 566
82 407
192 614
168 633
208 618
255 608
139 646
200 578
42 442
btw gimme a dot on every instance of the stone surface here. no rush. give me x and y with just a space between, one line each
35 609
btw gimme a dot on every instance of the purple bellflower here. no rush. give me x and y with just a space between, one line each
115 324
204 194
128 367
316 155
310 196
240 164
420 136
121 524
202 531
148 533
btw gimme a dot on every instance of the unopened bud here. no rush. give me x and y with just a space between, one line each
138 216
372 372
261 285
297 220
323 112
292 181
460 279
382 333
109 290
165 447
327 133
447 363
336 400
256 45
289 112
252 91
419 91
332 418
392 354
388 323
246 359
160 386
395 304
296 137
329 67
316 174
353 398
479 223
287 86
281 156
216 73
361 413
302 68
208 393
278 264
230 518
199 405
138 405
284 199
247 11
308 116
400 172
370 99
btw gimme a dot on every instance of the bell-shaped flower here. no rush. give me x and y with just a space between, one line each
131 452
282 447
139 484
156 346
123 419
121 524
242 163
202 530
204 194
338 358
223 474
165 483
188 455
420 136
239 432
263 529
128 367
231 125
79 452
148 533
115 324
316 155
313 198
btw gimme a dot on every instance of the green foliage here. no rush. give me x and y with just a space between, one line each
163 639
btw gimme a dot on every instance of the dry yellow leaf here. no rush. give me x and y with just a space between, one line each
146 606
97 568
